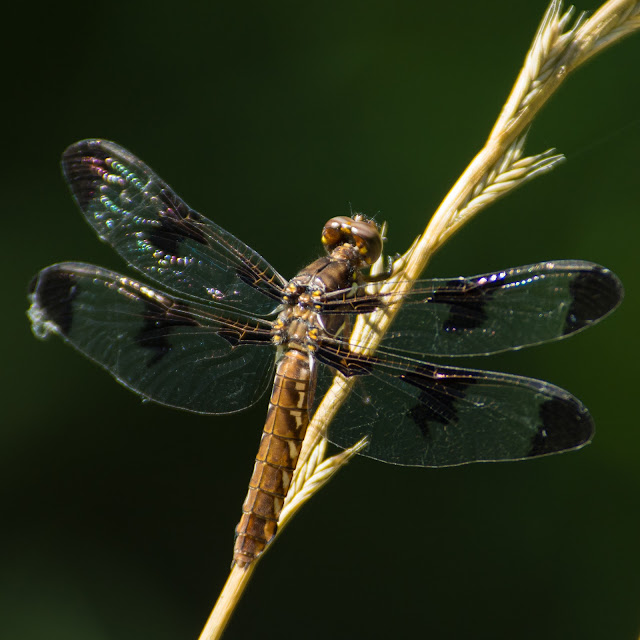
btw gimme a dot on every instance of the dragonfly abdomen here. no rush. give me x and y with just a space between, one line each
282 436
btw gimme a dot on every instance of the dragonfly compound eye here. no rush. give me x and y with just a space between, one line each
336 232
361 233
367 239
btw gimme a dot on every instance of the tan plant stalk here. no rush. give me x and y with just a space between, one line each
497 169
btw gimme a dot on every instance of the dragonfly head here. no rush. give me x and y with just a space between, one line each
363 234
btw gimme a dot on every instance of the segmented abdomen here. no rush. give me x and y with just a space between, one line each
284 430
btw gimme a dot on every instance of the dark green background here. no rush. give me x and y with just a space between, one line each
118 517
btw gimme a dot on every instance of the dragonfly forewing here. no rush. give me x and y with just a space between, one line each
156 232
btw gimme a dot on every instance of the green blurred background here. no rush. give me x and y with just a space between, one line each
118 517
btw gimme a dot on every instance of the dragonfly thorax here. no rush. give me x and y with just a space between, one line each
298 328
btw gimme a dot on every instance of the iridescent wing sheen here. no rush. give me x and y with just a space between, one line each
418 414
176 352
142 218
492 312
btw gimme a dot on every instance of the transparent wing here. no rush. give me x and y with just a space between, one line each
168 350
493 312
419 414
142 218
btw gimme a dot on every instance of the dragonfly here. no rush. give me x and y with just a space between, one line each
223 320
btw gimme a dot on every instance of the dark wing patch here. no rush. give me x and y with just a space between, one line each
595 293
160 320
467 302
563 422
55 292
178 223
438 396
